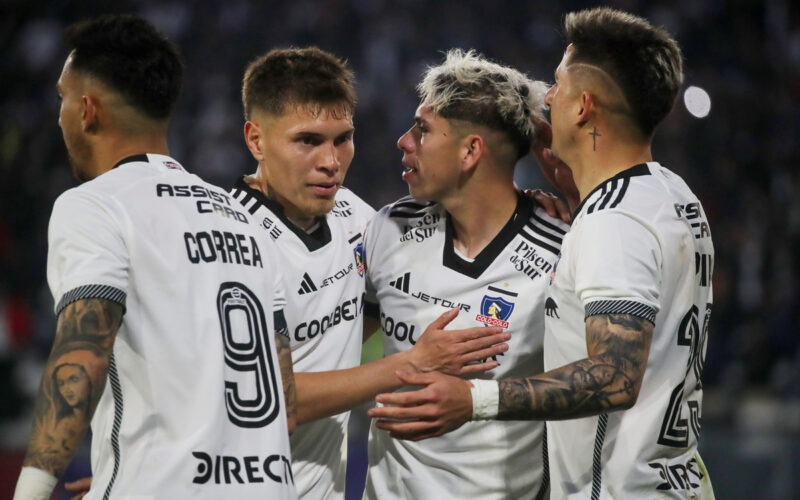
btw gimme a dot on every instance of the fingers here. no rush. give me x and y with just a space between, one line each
495 350
478 368
422 412
79 486
547 201
443 320
410 430
477 332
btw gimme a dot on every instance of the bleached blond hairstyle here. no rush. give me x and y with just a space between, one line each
468 87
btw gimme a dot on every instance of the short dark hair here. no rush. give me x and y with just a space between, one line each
129 55
297 76
644 60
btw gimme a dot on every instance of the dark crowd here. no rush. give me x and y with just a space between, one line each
741 160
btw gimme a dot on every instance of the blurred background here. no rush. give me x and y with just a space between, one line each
732 136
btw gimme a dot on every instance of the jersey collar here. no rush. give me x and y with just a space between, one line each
132 159
636 170
483 260
313 241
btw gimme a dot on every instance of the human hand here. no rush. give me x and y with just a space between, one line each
451 351
442 405
81 487
555 171
553 205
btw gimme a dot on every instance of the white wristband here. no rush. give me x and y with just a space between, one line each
485 399
34 484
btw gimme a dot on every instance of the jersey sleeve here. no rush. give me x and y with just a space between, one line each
371 243
279 303
87 256
618 266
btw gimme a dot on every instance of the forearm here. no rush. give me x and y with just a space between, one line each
323 394
608 380
283 345
73 381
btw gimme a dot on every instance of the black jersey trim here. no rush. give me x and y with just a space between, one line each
548 225
544 489
634 171
313 241
372 310
92 292
483 260
116 391
537 241
354 238
540 231
279 320
132 159
631 307
597 458
504 292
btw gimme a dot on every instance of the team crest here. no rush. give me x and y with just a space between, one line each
172 165
358 252
495 311
555 266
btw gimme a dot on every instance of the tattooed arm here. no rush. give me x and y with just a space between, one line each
283 345
73 381
608 380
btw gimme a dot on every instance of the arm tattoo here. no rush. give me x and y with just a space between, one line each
287 374
609 379
73 381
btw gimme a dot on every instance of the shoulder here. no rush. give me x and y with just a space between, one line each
348 204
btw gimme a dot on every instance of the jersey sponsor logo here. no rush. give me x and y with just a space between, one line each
341 208
399 330
349 310
273 229
306 285
228 469
528 260
694 212
229 248
421 230
402 283
680 476
496 310
358 253
551 308
212 202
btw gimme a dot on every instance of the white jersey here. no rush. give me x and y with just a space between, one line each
324 276
417 275
640 245
194 404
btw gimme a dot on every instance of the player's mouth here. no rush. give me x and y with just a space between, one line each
409 172
325 189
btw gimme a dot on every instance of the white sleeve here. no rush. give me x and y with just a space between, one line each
617 266
370 244
87 255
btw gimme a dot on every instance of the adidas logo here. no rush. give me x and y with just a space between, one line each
306 286
402 282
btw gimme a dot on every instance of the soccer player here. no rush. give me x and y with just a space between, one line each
165 289
298 106
466 238
630 298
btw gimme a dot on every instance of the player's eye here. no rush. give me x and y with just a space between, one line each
343 139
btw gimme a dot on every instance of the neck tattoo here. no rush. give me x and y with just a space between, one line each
595 134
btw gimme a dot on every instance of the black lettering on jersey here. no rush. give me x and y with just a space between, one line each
348 310
402 283
228 469
223 246
400 330
678 476
193 191
342 209
418 234
528 260
694 212
210 207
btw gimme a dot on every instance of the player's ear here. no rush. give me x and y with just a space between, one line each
473 148
586 109
89 113
252 136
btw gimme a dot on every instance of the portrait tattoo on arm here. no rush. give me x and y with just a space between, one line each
73 381
608 379
287 374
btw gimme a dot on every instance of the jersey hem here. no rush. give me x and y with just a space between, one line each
92 292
